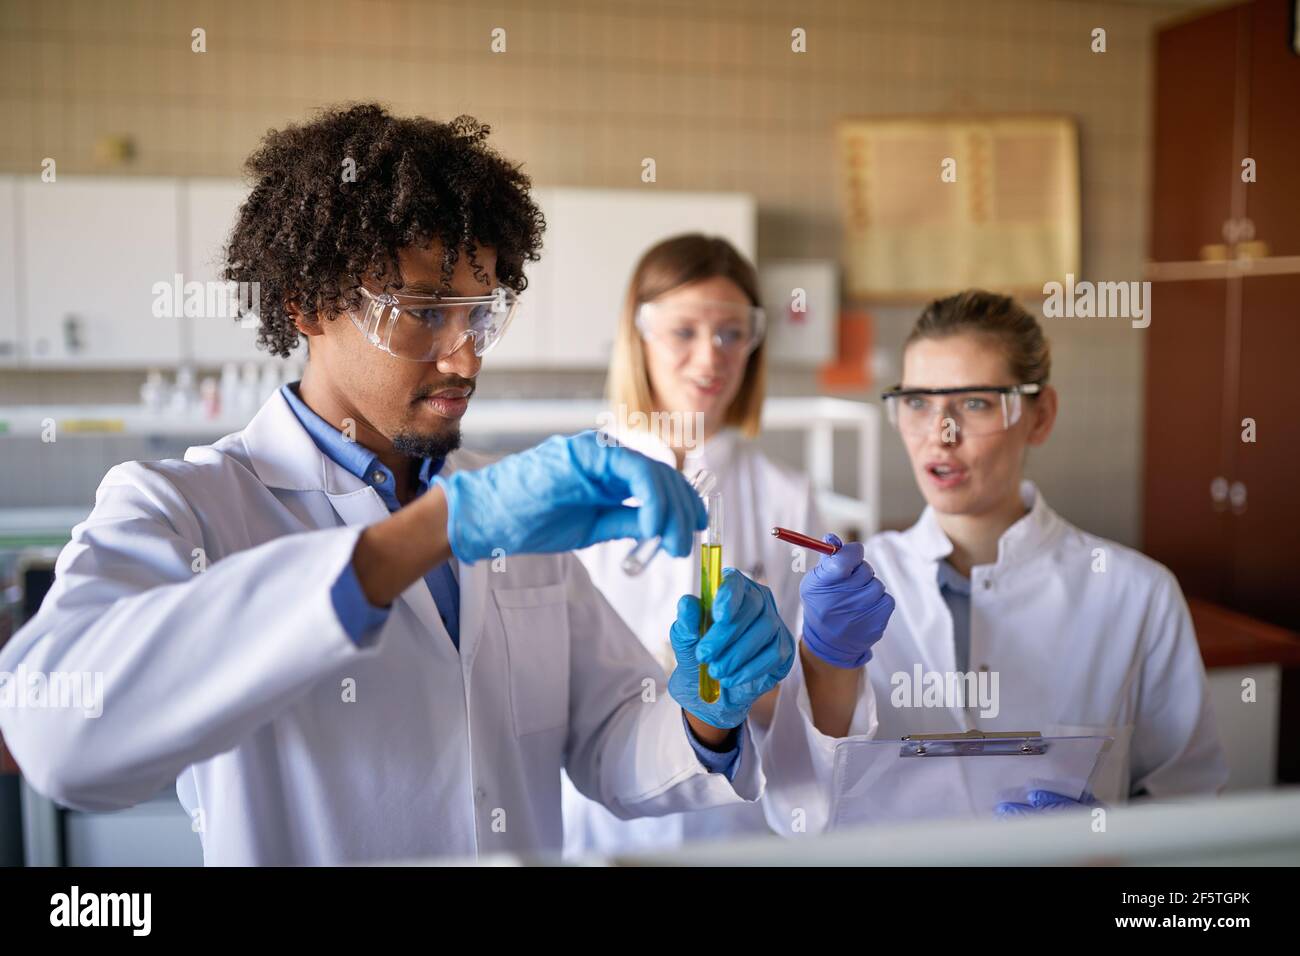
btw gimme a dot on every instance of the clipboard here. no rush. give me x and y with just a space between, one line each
954 775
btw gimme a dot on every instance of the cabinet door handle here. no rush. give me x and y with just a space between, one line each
72 343
1219 493
1237 497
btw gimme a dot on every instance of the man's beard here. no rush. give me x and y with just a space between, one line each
428 446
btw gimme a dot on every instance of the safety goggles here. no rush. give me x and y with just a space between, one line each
428 328
734 328
975 410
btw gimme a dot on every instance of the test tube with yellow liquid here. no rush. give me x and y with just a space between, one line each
710 580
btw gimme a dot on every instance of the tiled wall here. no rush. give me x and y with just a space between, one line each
587 88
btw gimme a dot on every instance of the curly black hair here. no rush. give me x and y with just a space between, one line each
308 231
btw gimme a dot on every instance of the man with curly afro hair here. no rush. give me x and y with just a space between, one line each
344 639
358 197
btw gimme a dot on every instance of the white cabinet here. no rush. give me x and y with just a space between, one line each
526 339
86 262
593 239
208 210
9 227
92 250
569 312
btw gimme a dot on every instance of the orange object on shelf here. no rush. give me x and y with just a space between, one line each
851 372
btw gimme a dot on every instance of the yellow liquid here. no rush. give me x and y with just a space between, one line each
710 579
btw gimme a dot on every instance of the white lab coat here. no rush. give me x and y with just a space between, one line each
237 681
1078 651
757 494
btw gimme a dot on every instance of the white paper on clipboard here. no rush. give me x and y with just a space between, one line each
875 782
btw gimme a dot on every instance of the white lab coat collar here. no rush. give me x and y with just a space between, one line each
1027 537
285 456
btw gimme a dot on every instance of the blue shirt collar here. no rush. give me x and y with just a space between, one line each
951 579
352 455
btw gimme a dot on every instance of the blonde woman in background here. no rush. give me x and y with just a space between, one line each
686 387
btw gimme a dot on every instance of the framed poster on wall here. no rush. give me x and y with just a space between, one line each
934 204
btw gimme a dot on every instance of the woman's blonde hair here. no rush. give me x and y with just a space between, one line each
669 265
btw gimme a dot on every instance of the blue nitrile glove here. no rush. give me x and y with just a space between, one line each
845 606
748 649
1040 801
565 494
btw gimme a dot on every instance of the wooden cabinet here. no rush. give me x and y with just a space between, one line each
1184 447
1272 202
1265 510
1196 167
1222 350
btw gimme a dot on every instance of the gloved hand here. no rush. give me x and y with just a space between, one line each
568 493
1040 801
748 649
845 606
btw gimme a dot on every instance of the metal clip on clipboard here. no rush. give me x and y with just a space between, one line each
975 743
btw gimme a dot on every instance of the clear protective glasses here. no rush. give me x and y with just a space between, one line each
974 410
735 328
428 328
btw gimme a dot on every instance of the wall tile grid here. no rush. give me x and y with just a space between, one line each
587 89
